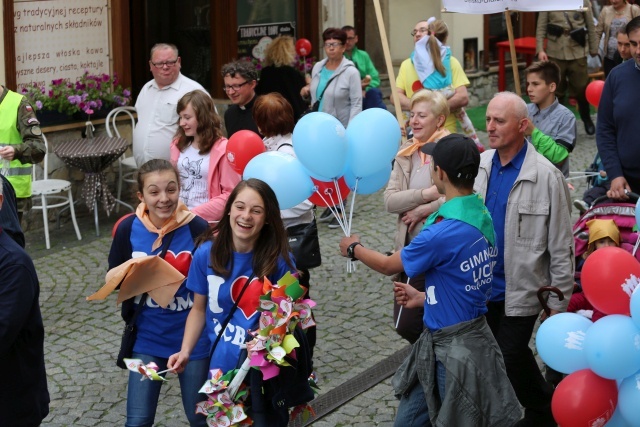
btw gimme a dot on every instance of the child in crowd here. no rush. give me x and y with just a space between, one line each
602 233
161 220
552 126
432 61
198 151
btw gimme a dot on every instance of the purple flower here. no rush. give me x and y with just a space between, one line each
57 82
39 105
105 77
88 110
126 93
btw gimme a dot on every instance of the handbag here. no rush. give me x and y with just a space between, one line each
130 330
305 245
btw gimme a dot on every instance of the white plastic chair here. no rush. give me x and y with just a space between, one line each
47 190
127 167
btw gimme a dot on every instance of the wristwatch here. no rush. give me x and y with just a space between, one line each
351 249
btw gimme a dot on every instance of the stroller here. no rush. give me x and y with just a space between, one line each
623 214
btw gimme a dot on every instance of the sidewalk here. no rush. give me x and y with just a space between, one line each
354 315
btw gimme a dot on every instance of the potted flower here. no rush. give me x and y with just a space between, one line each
90 94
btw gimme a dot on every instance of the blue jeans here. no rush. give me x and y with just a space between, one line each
373 98
142 396
412 410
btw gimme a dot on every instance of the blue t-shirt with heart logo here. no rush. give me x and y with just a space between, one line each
160 330
221 295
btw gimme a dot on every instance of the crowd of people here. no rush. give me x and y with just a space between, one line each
494 221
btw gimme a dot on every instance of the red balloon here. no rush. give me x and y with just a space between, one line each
243 146
328 191
609 276
583 398
594 92
303 47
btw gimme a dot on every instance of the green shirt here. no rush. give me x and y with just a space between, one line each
364 65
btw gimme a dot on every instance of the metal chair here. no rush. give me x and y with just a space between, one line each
47 190
127 167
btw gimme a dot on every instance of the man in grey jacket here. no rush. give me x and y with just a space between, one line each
530 205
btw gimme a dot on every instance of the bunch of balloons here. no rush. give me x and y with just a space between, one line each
331 161
602 359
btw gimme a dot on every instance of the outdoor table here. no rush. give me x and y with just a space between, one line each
93 156
526 45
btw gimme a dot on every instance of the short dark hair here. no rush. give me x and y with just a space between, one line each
549 71
273 115
243 68
462 182
334 33
633 25
349 28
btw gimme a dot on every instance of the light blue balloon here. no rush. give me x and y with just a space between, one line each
368 184
560 342
634 307
320 142
617 420
613 347
374 139
285 175
629 400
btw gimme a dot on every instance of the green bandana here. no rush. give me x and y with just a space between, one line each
469 209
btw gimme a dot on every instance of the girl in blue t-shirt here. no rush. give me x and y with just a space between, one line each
249 243
161 219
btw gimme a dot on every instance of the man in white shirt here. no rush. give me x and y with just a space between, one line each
156 104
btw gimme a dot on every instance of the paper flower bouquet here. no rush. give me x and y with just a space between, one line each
282 308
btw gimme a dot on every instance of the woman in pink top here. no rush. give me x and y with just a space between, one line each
198 153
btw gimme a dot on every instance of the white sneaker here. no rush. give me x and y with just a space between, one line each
581 205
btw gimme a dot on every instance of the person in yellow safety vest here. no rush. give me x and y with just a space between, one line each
21 142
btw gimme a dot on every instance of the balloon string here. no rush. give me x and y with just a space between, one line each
351 266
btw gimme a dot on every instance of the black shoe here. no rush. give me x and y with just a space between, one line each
325 216
589 127
334 223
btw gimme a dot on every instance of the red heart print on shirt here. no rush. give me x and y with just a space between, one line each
180 262
251 297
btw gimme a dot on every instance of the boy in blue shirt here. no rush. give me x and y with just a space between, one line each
552 126
456 252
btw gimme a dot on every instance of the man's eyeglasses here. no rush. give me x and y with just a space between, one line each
333 44
235 88
351 38
419 31
169 64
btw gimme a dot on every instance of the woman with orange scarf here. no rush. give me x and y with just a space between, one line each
162 224
412 195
